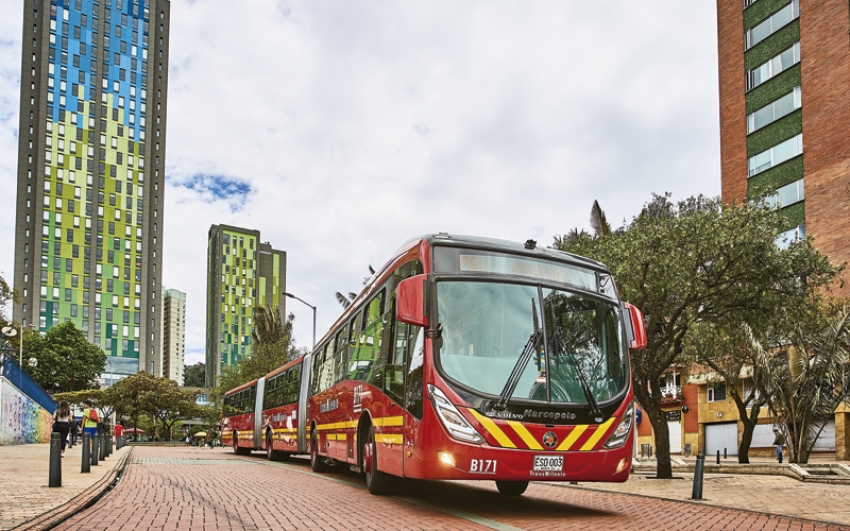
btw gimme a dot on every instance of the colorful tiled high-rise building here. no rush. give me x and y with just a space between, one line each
91 159
242 274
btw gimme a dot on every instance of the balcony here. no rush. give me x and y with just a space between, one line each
671 396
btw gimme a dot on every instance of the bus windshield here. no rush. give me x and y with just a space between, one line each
487 326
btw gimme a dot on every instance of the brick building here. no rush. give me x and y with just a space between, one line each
784 71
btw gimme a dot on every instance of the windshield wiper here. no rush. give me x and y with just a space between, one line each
527 351
561 349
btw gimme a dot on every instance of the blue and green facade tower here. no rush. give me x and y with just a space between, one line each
91 159
243 273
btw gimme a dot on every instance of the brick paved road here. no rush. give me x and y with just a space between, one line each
182 489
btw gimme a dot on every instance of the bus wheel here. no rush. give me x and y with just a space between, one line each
317 462
376 481
271 453
511 488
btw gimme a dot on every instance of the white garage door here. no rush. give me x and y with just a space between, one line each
720 436
763 436
826 439
675 430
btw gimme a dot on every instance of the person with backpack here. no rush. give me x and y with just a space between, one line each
90 419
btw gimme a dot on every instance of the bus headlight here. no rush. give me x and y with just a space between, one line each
452 420
621 433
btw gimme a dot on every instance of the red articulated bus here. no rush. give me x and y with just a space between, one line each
467 358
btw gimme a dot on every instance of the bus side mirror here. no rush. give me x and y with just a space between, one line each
637 339
410 301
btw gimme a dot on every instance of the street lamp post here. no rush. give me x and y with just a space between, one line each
291 296
21 345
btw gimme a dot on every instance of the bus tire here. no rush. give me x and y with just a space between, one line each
377 482
317 462
271 453
511 488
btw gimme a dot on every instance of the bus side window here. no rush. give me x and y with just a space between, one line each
396 358
414 395
293 387
355 340
369 350
327 372
340 356
317 370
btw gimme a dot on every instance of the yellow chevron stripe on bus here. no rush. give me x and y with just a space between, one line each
524 434
389 438
572 437
493 429
336 436
601 430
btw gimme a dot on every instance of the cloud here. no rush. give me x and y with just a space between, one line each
213 188
342 129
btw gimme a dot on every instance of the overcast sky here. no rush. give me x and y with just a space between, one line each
342 129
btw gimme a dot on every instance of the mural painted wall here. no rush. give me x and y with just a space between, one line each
22 420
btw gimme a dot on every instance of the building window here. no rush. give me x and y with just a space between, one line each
774 111
787 195
789 236
776 155
717 392
773 66
772 24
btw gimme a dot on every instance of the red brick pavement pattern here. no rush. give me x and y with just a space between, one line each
181 489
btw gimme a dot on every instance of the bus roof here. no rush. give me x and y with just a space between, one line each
421 247
284 368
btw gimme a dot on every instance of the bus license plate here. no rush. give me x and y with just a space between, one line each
548 463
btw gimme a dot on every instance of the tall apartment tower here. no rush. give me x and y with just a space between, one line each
173 334
784 112
91 159
784 115
242 274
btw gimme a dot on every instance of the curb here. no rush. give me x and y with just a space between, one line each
85 499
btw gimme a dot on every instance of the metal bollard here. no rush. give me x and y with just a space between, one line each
103 443
724 452
95 450
55 475
698 473
718 457
86 468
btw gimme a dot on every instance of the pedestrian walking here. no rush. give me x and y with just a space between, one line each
62 422
89 420
118 431
779 442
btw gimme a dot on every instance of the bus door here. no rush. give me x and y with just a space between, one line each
258 413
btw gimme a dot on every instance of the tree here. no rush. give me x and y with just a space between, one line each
808 379
727 350
194 375
268 327
66 361
107 401
133 395
165 402
268 352
693 262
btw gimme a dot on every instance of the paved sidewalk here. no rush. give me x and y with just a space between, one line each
26 502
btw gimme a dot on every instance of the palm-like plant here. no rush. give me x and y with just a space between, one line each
808 380
345 301
268 326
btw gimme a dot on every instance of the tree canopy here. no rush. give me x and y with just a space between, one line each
194 375
66 361
693 262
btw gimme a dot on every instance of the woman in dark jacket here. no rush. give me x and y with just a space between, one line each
62 422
